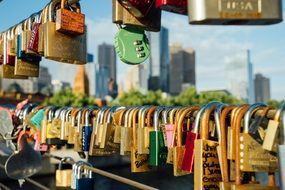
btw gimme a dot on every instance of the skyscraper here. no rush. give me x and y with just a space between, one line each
106 73
239 75
81 82
159 60
262 88
182 69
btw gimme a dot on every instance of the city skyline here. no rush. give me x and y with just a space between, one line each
211 43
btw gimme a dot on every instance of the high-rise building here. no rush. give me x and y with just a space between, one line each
239 75
181 69
136 78
106 73
81 82
31 85
159 60
262 88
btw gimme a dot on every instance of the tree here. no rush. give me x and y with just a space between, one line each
67 98
15 87
275 103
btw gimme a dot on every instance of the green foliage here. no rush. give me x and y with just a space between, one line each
187 97
275 103
67 98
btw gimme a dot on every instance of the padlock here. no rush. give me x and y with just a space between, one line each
44 124
188 160
175 6
41 43
242 139
101 128
25 64
33 42
271 136
84 179
63 176
109 135
64 124
207 172
118 119
179 149
281 152
143 131
121 16
234 12
157 147
78 132
54 128
74 173
94 149
126 133
222 117
132 45
86 132
258 126
72 126
70 22
8 67
139 162
61 47
139 9
250 150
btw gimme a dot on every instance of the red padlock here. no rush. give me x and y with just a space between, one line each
175 6
138 8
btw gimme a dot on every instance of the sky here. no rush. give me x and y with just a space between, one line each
213 44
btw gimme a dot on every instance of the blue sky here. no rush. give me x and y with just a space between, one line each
213 44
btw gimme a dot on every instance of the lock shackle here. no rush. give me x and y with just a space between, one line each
126 122
172 114
142 114
217 116
79 115
131 116
51 10
87 117
157 113
51 113
199 115
102 116
64 160
75 166
113 110
279 112
204 131
64 114
79 169
27 110
249 114
165 114
74 113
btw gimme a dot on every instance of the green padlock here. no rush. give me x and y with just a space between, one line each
132 45
158 150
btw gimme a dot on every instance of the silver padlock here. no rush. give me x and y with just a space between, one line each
281 152
74 173
84 178
234 12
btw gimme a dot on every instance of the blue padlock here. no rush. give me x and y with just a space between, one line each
86 132
84 179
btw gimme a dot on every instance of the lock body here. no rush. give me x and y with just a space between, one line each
176 6
234 12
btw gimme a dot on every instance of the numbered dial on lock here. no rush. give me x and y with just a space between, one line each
132 45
